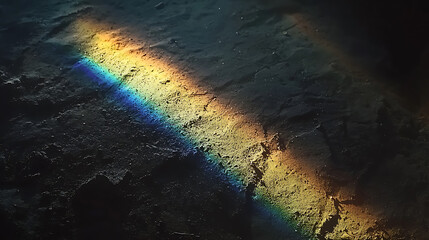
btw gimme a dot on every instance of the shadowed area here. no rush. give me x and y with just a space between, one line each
295 107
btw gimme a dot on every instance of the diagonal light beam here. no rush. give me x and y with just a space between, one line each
235 141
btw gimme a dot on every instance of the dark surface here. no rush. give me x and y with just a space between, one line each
75 163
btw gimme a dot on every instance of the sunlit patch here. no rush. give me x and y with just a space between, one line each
235 142
123 94
121 91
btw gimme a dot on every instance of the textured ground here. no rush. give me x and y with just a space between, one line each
329 145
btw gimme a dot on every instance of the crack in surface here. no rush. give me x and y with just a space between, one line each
301 135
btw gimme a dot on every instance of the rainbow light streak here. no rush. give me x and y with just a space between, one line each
127 96
234 141
122 93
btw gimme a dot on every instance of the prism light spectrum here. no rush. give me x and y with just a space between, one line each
237 142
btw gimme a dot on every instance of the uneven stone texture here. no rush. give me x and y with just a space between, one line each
302 123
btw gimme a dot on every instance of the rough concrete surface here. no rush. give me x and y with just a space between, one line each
275 124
